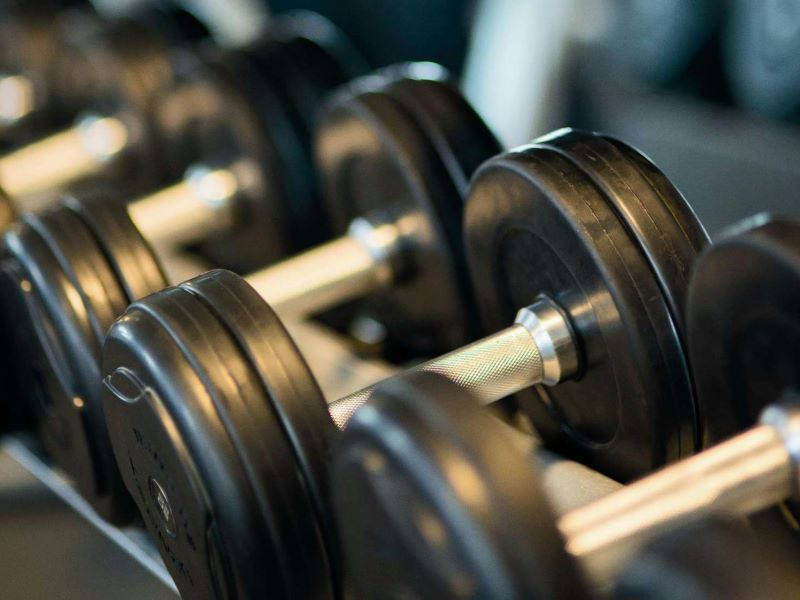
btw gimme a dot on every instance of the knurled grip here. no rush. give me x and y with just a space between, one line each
489 369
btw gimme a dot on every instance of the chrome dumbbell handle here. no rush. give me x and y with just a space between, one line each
196 207
17 99
346 268
751 472
538 348
204 202
63 158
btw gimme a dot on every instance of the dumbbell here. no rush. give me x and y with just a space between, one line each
52 54
462 482
260 103
212 410
247 114
30 47
114 72
408 127
761 43
424 457
709 558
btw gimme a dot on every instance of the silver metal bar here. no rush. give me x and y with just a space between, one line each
489 369
63 158
750 472
199 206
538 348
346 268
17 98
569 484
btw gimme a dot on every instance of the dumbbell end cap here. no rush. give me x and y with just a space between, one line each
549 326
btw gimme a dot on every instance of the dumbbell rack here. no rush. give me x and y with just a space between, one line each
41 516
28 483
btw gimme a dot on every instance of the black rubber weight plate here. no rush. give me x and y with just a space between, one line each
258 131
276 88
63 364
300 89
292 393
462 141
537 224
744 326
131 258
311 58
461 137
710 559
131 66
656 214
83 261
186 410
18 406
36 366
433 501
333 53
388 167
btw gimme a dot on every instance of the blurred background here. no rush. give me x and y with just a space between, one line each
710 89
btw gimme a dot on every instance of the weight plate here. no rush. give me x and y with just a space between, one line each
762 41
124 67
264 150
383 157
654 211
460 135
434 500
309 57
462 141
65 339
537 224
293 396
265 131
194 437
17 304
708 559
744 325
328 49
103 299
161 459
299 86
83 261
128 254
254 130
30 45
35 363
